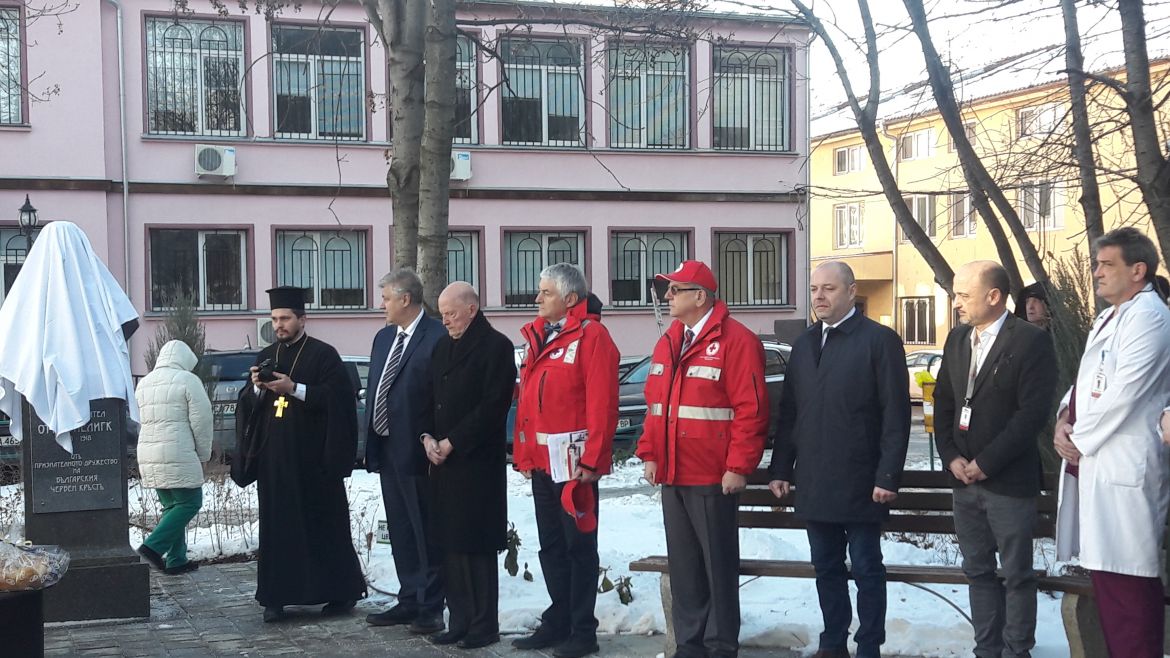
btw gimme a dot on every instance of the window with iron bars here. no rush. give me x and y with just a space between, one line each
649 95
542 103
331 265
208 266
634 260
918 321
527 253
753 268
466 93
194 77
319 82
13 250
751 99
11 69
463 257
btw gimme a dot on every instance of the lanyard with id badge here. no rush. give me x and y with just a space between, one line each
1099 379
965 414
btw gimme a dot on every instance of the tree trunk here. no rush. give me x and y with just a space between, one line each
435 182
866 122
404 22
1153 171
1082 135
977 175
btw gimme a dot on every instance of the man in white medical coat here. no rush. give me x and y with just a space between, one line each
1115 489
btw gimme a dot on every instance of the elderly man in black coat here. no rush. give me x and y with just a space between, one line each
474 372
842 438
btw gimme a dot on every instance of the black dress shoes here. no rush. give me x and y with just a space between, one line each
541 639
477 641
427 624
337 608
185 567
273 613
152 557
576 647
396 616
450 637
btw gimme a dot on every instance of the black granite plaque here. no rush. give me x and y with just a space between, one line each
88 479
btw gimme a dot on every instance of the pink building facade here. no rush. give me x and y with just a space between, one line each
222 156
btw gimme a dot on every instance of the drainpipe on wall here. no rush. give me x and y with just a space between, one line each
894 314
122 134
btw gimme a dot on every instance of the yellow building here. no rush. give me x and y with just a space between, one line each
1016 111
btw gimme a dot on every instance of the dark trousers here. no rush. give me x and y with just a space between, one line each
1131 609
416 561
472 584
828 543
702 545
1003 603
569 560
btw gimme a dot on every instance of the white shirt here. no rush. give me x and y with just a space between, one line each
698 328
986 340
826 327
409 331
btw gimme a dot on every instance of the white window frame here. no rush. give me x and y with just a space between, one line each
1028 206
642 74
920 204
547 70
848 159
1037 121
782 248
313 63
847 225
546 238
469 71
911 304
646 267
921 145
961 216
473 239
968 130
200 74
783 102
201 259
12 83
321 239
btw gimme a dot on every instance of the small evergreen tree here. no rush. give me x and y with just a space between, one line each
181 323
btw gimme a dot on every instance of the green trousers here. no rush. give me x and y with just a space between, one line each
169 538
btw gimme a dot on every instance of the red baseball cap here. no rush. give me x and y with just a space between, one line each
694 272
578 499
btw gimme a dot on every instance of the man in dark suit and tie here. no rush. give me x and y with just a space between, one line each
842 437
994 394
399 411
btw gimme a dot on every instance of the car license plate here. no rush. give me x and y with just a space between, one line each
225 408
9 441
623 423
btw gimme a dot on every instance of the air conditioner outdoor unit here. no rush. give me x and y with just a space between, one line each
460 165
215 160
265 334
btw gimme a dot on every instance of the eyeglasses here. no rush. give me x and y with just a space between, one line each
674 290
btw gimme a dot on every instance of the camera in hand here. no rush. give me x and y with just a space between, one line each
266 370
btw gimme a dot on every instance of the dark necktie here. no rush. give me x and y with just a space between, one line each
382 397
688 338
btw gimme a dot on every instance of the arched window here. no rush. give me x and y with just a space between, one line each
194 77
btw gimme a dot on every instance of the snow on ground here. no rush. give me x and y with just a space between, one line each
776 611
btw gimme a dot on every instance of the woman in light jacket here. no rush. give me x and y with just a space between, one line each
173 444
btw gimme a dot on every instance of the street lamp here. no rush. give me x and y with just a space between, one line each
28 222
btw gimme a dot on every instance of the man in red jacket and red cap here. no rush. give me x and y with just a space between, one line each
568 387
706 423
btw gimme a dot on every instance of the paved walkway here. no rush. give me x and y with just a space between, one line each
211 612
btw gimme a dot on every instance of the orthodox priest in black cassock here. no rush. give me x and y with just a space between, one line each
297 440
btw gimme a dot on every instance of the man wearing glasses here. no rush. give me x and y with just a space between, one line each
706 422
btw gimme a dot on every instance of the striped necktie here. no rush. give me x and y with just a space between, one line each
382 397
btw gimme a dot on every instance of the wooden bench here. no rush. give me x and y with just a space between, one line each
923 506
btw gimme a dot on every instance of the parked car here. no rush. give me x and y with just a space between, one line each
229 373
922 360
632 401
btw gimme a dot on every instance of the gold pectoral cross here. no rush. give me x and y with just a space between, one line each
280 404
